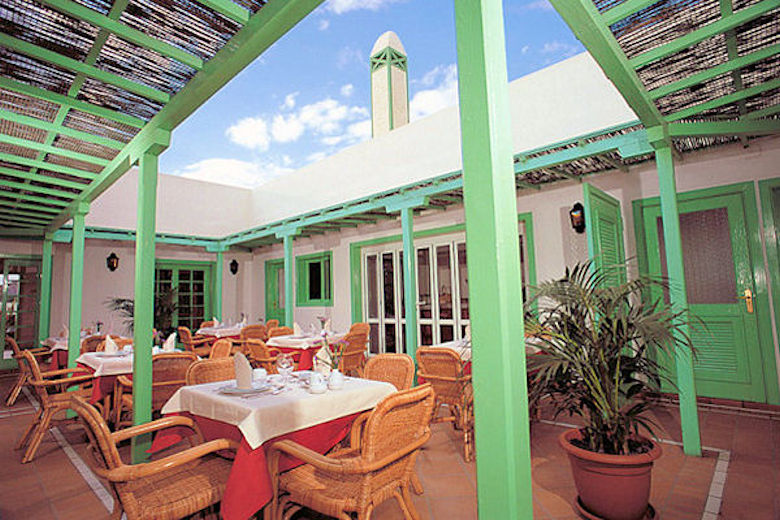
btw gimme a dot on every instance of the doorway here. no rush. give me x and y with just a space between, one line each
274 290
20 281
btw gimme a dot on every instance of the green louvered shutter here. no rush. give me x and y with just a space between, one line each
604 227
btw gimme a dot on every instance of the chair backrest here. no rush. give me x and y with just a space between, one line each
270 324
29 364
205 324
185 336
210 370
168 375
397 369
359 328
254 332
101 446
120 342
356 340
398 422
15 346
92 343
259 352
280 331
442 367
221 349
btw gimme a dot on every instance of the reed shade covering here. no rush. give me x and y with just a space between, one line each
267 416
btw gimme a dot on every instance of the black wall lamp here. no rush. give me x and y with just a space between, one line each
577 217
112 262
234 266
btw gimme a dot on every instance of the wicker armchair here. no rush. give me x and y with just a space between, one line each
254 332
270 324
210 371
200 346
377 466
397 369
204 324
221 348
280 331
56 381
120 342
443 368
261 355
168 371
166 489
353 356
24 375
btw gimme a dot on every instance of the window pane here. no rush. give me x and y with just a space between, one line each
184 275
424 282
390 338
198 275
444 274
401 282
426 335
388 285
447 333
315 280
373 339
371 287
463 281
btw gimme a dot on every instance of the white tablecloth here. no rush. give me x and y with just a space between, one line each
460 346
304 341
221 331
58 343
109 365
265 416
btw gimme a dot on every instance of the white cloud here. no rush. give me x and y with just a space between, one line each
289 101
233 172
443 93
250 132
557 47
315 157
349 55
344 6
347 90
538 5
323 25
286 129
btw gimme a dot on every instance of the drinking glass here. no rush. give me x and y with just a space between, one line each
284 365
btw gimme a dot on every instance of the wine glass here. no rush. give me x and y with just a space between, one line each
284 365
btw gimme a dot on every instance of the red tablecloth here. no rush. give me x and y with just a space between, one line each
249 485
59 359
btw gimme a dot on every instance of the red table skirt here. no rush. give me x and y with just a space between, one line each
249 485
304 357
59 359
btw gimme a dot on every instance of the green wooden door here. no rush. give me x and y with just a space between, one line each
718 274
19 304
604 226
274 290
193 286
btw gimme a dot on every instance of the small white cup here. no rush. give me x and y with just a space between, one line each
317 383
127 348
259 375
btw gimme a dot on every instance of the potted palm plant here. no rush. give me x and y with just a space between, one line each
599 352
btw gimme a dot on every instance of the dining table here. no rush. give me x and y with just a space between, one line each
304 346
58 345
222 331
257 420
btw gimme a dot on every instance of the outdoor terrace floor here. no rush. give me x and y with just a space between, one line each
740 466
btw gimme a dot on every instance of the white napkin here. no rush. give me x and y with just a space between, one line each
215 320
323 356
297 330
170 343
64 331
327 326
111 346
243 371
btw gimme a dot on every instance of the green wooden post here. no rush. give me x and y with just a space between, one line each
218 284
689 415
501 399
143 319
76 284
289 302
410 280
44 309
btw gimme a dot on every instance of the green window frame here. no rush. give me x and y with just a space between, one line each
197 280
314 280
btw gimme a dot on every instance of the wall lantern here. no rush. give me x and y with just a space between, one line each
577 217
112 262
234 266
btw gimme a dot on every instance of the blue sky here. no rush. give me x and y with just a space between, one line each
308 96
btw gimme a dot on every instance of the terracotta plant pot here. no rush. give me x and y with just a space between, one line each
612 487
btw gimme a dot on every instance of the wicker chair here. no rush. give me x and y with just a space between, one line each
221 348
279 331
397 369
205 324
270 324
120 342
210 371
377 466
168 371
254 332
353 357
24 375
443 368
173 487
49 403
92 343
200 346
261 355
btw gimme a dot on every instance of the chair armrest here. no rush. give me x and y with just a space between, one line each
303 453
201 340
39 352
356 433
153 426
69 381
127 473
61 372
124 381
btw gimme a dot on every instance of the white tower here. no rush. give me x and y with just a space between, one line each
389 85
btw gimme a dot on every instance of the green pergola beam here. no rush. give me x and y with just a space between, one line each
717 70
719 26
69 102
410 280
8 222
627 145
228 9
588 26
32 198
76 285
38 189
764 112
54 181
724 100
713 128
14 217
43 165
33 215
289 268
34 145
527 185
64 130
560 173
625 9
79 67
39 208
44 311
124 32
219 268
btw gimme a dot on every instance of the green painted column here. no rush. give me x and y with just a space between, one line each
501 399
143 319
76 284
289 301
44 307
689 415
410 280
219 267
